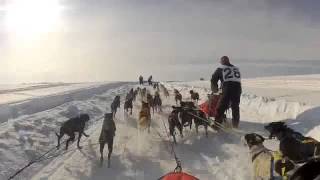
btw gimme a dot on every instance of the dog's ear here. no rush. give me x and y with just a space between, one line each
259 138
249 139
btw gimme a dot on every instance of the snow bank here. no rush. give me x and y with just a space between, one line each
270 109
304 89
256 110
31 132
14 110
266 109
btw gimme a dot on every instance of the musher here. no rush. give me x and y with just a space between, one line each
230 79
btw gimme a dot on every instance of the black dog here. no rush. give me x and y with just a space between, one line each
190 112
107 135
293 145
173 121
128 105
115 105
309 171
157 102
186 113
135 93
71 126
177 96
199 121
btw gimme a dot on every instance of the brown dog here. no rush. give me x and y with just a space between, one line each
194 96
144 117
150 101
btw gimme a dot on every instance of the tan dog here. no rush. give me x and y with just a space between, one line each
261 157
144 117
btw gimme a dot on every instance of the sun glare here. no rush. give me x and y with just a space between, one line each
27 17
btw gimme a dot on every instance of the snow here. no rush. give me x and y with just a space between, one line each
28 131
46 98
14 93
302 88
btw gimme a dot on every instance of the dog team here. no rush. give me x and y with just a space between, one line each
296 158
77 124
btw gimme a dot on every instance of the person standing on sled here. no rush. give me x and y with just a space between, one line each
230 79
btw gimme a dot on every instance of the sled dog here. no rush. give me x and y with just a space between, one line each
71 126
107 135
144 117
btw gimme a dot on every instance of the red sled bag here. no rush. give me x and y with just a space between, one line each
178 176
210 107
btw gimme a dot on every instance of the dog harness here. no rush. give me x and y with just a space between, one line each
272 160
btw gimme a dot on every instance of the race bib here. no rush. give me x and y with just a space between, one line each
231 73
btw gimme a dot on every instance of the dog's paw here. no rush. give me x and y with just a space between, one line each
58 147
79 147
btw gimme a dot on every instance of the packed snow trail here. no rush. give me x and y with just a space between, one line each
139 155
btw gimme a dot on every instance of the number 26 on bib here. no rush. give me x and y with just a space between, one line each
231 74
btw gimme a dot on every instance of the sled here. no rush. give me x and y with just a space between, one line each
210 109
178 176
210 106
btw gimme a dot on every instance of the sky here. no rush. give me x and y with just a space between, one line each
109 40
